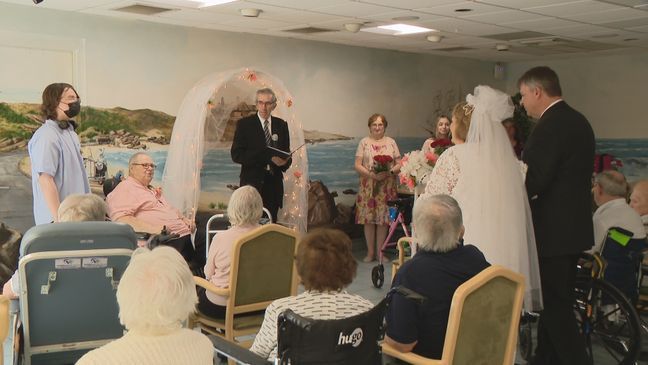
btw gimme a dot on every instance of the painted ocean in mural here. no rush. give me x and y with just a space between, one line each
332 162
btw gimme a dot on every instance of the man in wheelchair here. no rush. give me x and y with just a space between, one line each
135 202
440 266
619 234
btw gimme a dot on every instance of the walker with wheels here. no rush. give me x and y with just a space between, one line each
397 208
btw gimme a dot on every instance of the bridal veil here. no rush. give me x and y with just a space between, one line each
492 185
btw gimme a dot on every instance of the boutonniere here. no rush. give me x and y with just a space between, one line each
156 191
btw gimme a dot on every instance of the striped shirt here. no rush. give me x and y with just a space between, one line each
310 304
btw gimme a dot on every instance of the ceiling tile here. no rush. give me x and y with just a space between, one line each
539 24
409 4
578 29
519 4
449 9
465 27
628 23
568 9
255 23
610 16
502 16
354 9
298 4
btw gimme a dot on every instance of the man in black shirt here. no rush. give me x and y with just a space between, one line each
441 265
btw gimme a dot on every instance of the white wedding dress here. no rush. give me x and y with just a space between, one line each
487 180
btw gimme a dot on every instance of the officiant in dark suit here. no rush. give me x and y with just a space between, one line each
261 166
560 157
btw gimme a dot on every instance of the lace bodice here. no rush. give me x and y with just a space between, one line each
445 175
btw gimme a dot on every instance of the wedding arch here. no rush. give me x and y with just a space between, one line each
207 120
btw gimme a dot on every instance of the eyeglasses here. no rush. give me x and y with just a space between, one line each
265 103
146 165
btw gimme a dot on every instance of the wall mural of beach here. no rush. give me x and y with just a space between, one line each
113 135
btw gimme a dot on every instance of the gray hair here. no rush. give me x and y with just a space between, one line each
612 183
245 206
157 292
134 157
267 91
437 222
82 207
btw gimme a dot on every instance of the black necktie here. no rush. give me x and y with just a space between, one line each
268 138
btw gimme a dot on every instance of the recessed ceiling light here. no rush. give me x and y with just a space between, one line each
406 18
463 10
206 3
397 29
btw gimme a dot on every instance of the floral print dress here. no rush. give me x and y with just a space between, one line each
371 203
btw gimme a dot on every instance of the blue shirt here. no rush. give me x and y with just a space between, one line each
56 152
435 276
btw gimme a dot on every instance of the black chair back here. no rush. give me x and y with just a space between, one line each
352 340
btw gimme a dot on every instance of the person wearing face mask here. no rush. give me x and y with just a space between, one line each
56 163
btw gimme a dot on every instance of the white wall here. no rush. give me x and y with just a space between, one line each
611 91
136 64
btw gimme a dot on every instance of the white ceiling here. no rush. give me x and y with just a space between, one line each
531 29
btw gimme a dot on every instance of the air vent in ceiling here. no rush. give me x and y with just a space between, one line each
454 49
142 9
309 30
516 36
544 41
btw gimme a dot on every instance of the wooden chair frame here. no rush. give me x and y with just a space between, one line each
454 319
226 328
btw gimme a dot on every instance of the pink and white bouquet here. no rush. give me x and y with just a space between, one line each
415 167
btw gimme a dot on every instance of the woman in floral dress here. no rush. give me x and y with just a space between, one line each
377 182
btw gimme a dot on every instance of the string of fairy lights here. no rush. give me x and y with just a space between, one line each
296 185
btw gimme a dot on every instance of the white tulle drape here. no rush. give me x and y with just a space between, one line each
497 213
209 104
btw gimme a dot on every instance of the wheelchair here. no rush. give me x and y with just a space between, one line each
606 318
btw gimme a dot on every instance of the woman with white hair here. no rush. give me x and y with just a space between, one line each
156 294
244 211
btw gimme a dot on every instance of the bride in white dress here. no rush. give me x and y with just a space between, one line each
482 173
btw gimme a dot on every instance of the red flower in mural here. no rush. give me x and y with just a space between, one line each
297 174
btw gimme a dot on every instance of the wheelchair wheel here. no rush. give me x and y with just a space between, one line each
608 321
378 276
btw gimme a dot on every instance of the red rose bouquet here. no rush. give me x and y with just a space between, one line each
382 163
440 145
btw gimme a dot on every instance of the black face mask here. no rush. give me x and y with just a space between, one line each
73 109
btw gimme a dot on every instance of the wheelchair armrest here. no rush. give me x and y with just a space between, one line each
408 357
593 261
204 283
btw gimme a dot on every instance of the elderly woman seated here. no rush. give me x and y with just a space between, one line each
75 208
325 266
155 295
244 212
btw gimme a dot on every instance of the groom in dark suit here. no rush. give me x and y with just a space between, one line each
261 166
560 157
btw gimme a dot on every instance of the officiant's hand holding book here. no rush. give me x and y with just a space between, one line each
283 154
